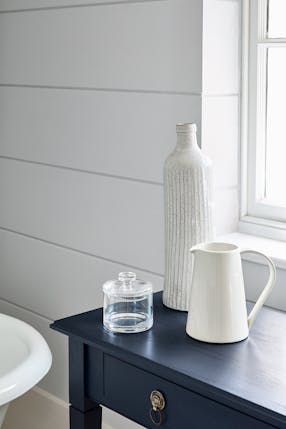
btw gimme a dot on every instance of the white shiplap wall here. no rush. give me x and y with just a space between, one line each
90 92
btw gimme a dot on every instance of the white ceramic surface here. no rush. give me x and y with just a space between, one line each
25 358
217 308
188 189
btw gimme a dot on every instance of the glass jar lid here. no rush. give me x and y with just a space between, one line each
126 285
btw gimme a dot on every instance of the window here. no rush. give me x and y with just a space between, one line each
264 118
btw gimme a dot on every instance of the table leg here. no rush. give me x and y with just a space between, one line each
84 413
89 420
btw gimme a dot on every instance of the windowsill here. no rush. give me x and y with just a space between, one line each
275 249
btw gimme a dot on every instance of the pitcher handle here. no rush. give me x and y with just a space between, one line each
266 291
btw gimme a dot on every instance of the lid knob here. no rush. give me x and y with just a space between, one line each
127 276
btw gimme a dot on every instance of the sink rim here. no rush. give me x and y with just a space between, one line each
32 368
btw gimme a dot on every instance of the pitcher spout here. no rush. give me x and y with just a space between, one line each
195 248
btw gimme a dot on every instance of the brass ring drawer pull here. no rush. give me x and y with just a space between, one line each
158 404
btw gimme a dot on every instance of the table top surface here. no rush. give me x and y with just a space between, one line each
249 374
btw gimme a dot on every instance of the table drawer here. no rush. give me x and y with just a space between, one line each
126 389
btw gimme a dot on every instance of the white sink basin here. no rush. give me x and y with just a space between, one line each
25 358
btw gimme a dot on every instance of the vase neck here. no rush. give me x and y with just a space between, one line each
186 137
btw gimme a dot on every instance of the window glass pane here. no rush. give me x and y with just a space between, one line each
276 126
277 18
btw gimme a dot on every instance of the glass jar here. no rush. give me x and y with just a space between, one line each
128 304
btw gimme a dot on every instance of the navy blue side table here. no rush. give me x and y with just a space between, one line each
205 386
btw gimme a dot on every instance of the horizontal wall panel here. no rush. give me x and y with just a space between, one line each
14 5
120 133
147 46
116 219
53 281
56 381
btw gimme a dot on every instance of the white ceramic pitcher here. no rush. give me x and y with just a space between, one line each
217 306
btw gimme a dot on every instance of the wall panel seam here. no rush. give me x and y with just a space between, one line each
220 94
101 174
96 89
81 252
80 170
77 6
123 90
6 301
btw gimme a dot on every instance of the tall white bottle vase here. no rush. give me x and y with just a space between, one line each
188 193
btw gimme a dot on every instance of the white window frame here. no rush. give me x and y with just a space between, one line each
257 216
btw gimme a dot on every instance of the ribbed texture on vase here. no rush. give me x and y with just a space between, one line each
188 221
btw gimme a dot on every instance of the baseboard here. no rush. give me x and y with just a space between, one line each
38 409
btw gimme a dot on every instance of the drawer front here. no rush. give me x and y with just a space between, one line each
126 389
